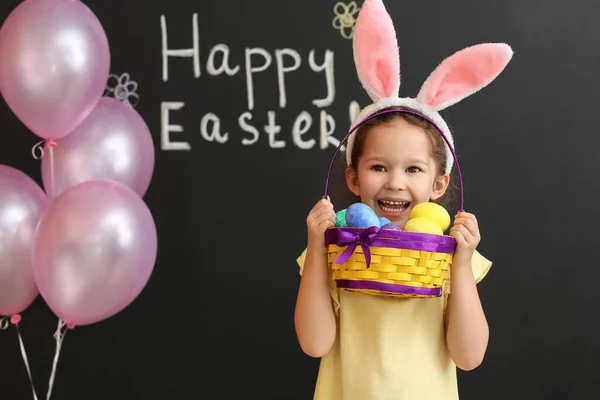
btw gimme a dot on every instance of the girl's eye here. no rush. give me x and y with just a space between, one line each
378 168
413 169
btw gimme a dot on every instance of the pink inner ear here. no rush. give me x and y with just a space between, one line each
376 51
386 75
464 73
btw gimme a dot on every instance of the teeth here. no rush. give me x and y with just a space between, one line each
395 203
393 206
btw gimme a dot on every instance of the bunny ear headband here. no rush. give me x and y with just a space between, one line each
377 60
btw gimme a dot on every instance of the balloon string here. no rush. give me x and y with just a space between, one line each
51 168
59 336
4 324
26 361
37 151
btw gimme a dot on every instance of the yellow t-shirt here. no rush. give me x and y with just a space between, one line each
389 349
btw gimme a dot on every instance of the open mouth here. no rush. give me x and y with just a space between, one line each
393 206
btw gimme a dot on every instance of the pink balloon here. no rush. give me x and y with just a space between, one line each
54 64
94 251
22 203
113 142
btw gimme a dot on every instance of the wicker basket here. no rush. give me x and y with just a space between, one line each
387 262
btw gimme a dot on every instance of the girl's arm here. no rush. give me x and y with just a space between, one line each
314 318
467 331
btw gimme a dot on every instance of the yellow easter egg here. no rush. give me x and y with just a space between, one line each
423 225
433 212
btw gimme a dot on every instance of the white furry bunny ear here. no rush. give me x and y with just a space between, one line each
463 74
376 53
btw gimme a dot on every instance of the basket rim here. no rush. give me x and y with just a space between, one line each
400 235
375 237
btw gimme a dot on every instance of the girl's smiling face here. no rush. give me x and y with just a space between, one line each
396 170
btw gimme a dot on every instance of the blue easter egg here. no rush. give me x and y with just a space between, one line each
391 227
340 219
383 221
360 215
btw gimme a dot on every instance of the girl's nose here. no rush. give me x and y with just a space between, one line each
395 181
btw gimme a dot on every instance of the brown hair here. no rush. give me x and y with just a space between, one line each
438 145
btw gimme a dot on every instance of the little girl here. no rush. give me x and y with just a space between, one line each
376 347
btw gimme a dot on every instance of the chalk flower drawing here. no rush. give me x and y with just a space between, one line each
124 89
345 18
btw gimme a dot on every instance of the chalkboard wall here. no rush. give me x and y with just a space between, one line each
242 151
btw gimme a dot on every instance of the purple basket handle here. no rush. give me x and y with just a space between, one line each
462 196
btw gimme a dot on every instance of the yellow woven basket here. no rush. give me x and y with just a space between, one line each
388 262
414 269
399 271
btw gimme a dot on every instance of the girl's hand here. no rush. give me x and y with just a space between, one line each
320 218
466 232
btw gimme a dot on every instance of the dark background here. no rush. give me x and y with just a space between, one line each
216 318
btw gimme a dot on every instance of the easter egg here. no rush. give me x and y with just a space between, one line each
360 215
423 225
340 219
391 227
433 212
383 221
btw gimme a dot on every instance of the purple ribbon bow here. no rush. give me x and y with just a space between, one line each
350 239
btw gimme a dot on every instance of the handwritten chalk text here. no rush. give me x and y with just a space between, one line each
256 61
